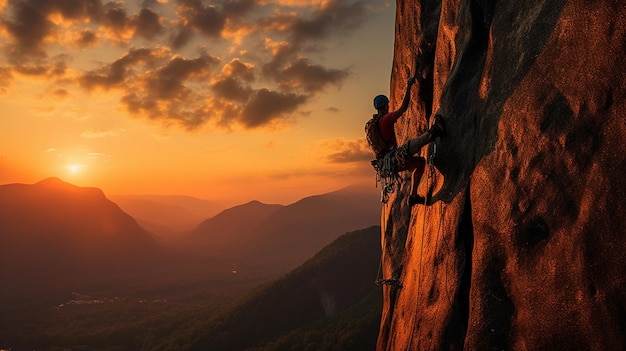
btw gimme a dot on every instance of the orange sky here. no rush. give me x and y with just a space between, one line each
222 100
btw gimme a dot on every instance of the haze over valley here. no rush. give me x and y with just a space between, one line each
69 251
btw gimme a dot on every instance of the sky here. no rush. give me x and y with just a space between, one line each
230 100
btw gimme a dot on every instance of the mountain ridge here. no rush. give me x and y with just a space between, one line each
52 226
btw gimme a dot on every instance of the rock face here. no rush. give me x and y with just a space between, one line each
522 245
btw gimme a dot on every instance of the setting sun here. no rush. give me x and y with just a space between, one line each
74 169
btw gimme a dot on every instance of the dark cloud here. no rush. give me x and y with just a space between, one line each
29 24
282 53
312 78
206 19
266 106
114 74
147 24
72 9
333 17
238 69
181 38
114 17
235 9
291 72
168 82
229 88
349 151
167 92
87 38
156 83
29 27
48 70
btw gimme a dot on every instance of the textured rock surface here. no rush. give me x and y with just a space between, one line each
523 246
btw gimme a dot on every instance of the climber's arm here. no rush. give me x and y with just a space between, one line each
407 97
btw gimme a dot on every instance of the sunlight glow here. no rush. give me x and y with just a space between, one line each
74 169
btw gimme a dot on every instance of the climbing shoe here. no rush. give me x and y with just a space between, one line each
438 128
417 199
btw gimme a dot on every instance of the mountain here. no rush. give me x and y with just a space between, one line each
298 231
167 215
259 236
522 245
331 296
54 235
220 235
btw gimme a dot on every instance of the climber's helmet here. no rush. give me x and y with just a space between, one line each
380 101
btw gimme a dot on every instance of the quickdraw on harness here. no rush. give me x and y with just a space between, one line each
387 170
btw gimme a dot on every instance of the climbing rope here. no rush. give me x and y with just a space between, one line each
381 281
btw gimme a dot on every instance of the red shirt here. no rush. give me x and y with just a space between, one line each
385 124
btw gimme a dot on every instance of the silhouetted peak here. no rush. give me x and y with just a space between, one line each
54 184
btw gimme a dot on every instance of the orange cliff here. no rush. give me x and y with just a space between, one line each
522 245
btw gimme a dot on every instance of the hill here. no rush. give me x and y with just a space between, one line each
328 303
219 236
258 236
55 236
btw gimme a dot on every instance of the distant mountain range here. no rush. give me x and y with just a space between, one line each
277 237
56 235
167 215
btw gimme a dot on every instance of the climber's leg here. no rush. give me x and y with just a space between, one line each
416 176
437 129
415 145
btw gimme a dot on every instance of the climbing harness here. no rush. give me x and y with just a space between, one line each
387 169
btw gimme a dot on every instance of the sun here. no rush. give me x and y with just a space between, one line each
74 169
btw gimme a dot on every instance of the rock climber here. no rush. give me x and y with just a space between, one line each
405 157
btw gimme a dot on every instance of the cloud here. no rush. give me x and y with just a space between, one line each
266 106
261 76
347 151
29 28
238 69
116 73
230 88
208 20
31 23
96 156
147 24
311 78
6 79
332 17
60 93
86 38
100 133
168 93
